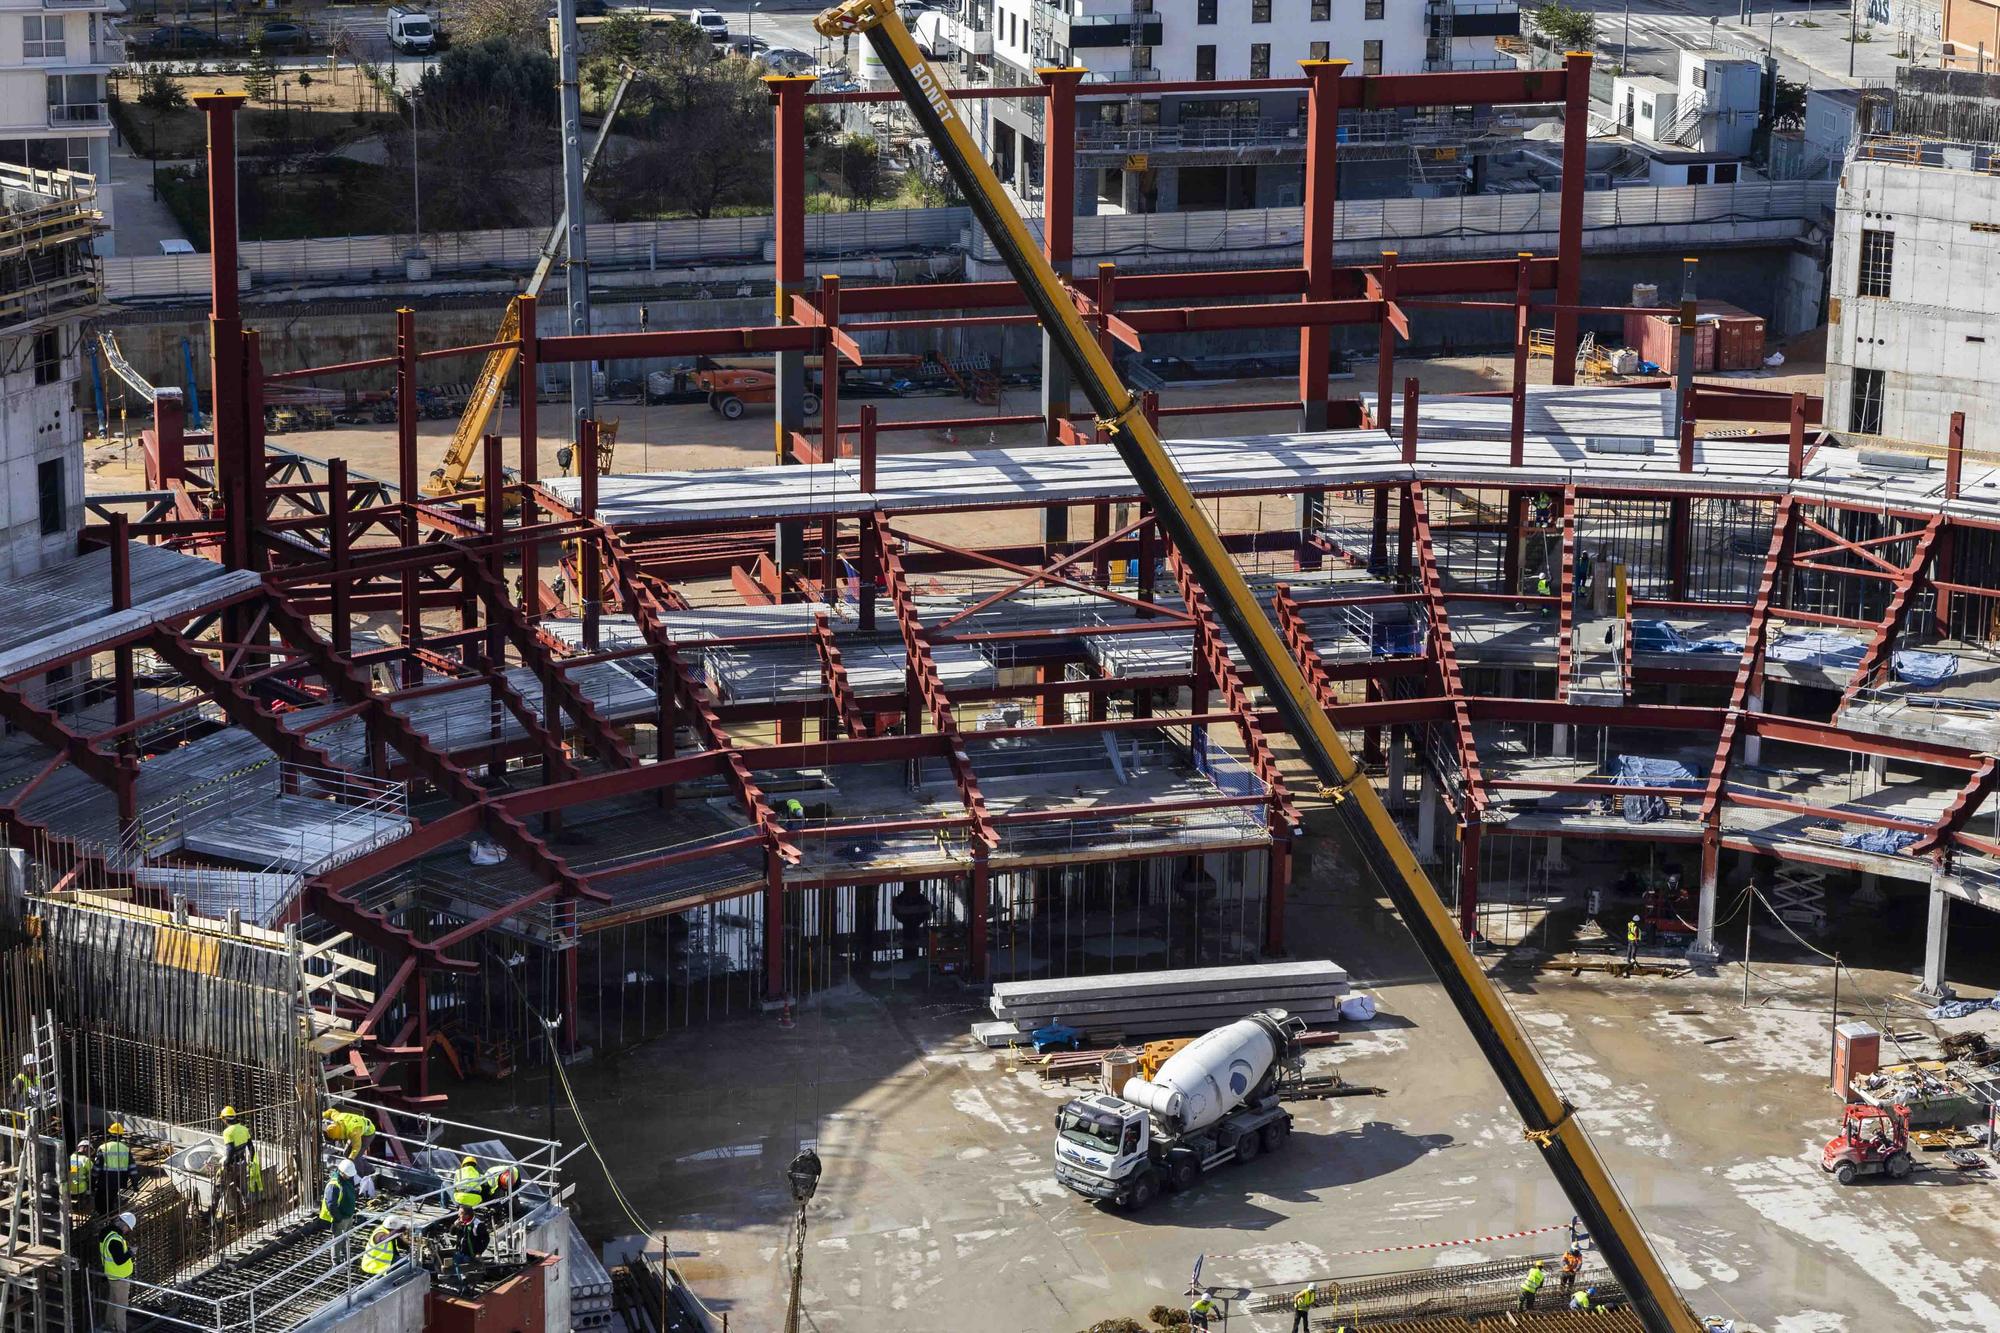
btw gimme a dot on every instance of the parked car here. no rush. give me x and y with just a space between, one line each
749 46
282 36
181 37
788 60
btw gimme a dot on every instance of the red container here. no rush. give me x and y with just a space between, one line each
1726 338
1857 1051
1657 339
1740 344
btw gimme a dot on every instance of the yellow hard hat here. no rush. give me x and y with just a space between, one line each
115 1128
228 1113
470 1161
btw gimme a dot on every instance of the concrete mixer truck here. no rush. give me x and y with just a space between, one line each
1215 1100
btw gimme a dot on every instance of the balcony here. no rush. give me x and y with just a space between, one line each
72 114
1096 31
972 37
1121 76
76 4
108 50
1465 66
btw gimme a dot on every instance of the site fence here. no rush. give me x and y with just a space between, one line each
692 242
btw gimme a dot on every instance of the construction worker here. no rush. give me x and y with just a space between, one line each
1545 509
1585 1301
471 1233
114 1251
114 1166
1204 1305
384 1249
80 1163
1302 1305
794 809
342 1195
1531 1284
233 1172
1632 942
468 1187
500 1182
28 1083
351 1128
1572 1265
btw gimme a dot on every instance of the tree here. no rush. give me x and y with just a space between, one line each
861 168
260 79
1788 110
159 90
1570 29
521 23
515 86
702 125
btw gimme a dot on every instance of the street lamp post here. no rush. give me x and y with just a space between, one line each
416 187
1625 46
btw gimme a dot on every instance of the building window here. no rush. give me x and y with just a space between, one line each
1260 60
1204 62
1260 11
42 37
1864 408
1319 50
1371 57
75 99
1322 10
1204 11
49 477
1372 9
1878 262
1724 173
48 357
1701 76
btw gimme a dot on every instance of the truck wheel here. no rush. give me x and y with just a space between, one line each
1144 1190
1181 1173
1274 1135
1845 1173
731 408
809 404
1900 1165
1246 1148
714 403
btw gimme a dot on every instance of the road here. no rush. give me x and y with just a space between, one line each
1808 37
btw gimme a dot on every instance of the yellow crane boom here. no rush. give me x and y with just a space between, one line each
451 476
1369 832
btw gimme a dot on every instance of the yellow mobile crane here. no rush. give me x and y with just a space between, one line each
1369 833
453 475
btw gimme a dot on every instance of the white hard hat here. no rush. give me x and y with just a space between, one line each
127 1221
29 1058
345 1167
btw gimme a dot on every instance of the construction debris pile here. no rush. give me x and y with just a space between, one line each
1145 1004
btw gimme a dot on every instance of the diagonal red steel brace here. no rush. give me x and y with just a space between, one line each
1214 653
1447 654
42 724
1782 537
1909 578
833 669
1983 783
923 668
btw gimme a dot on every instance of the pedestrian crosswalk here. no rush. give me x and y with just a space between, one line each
1669 33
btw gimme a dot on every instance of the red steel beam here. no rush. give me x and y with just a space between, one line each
1446 653
1908 579
1750 662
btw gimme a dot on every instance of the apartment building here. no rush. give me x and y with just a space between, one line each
1195 151
49 282
1913 301
54 57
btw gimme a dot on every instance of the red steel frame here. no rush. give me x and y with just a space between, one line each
361 550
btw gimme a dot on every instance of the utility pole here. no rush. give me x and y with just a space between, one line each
1625 46
576 250
1854 34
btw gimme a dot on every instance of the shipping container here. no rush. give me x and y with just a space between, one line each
1726 337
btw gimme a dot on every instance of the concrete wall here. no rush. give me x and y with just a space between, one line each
397 1307
1934 336
39 423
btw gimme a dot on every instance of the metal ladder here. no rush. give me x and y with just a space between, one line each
35 1291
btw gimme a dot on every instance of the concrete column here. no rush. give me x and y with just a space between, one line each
1559 742
1878 769
1753 744
1427 817
1398 767
1937 934
1703 953
1555 854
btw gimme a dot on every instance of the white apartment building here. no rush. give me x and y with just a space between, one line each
1913 302
1191 151
49 282
54 56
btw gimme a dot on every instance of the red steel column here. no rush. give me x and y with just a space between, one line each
1322 190
788 223
225 326
829 371
338 544
1518 397
1945 553
1385 355
529 410
1058 238
774 925
1569 215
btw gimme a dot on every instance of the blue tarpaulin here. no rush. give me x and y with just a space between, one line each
1960 1008
1638 770
1924 668
1817 648
1658 636
1877 839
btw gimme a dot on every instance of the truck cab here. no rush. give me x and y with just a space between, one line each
412 30
1101 1141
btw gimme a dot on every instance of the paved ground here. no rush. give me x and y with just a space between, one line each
938 1211
1810 37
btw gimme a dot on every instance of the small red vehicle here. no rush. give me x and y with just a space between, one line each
1873 1140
